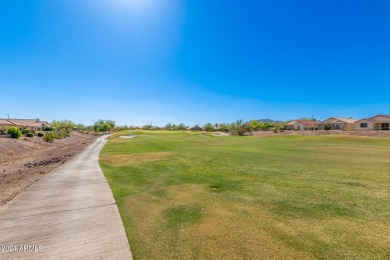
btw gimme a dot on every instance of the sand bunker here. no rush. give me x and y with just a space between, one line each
127 136
220 134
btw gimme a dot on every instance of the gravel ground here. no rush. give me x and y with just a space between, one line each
25 160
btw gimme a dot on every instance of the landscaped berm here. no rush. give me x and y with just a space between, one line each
183 195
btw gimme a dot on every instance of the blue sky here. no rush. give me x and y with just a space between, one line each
193 61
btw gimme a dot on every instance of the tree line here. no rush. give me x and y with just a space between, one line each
238 127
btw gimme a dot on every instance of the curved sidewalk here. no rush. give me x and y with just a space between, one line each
69 214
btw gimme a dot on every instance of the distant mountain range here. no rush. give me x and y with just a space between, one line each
271 121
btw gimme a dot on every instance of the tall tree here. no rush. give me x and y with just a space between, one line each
103 126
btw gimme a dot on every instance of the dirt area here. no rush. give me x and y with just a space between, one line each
385 134
25 160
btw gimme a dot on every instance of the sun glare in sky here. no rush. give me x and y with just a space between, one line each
139 7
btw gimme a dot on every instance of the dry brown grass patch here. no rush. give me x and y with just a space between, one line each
222 232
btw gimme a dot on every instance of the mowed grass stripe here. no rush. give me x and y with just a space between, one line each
185 196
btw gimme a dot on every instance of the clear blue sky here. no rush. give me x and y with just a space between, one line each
191 61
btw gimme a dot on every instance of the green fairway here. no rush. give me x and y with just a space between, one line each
186 196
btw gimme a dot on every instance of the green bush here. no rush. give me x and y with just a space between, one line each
61 134
49 137
239 128
40 134
14 132
47 128
28 131
29 134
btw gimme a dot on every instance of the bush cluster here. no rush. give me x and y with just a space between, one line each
26 131
40 134
103 126
47 128
49 137
29 134
59 134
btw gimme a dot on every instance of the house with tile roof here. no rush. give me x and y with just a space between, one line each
4 124
378 122
30 124
23 124
338 123
195 128
301 125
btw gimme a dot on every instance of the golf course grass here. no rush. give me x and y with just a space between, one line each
190 196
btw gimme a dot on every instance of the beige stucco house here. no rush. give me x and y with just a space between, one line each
301 125
378 122
4 124
338 123
30 124
23 124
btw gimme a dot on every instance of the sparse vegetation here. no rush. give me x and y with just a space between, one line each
181 126
208 127
47 128
56 134
147 127
170 127
240 128
81 127
49 137
66 125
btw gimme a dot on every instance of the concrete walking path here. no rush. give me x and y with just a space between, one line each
69 214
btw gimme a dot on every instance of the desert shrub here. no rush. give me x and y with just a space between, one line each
208 127
239 128
47 128
61 134
40 134
58 134
145 127
29 134
14 132
105 126
181 126
64 124
81 127
275 131
25 131
223 127
49 137
168 126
